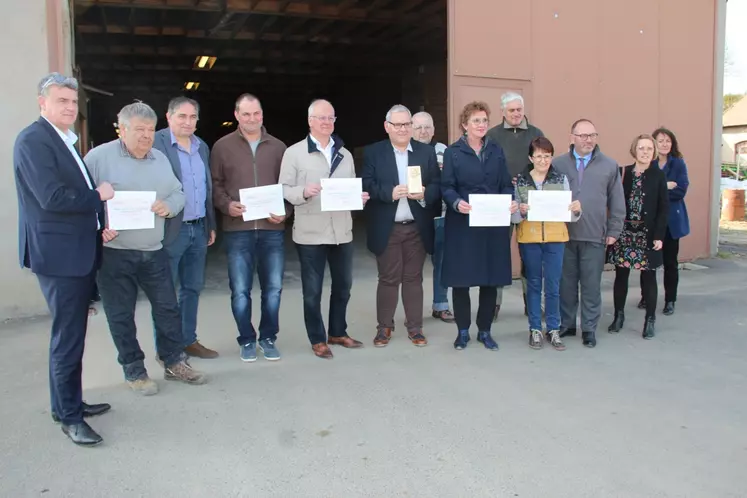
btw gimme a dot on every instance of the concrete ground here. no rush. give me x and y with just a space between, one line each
631 418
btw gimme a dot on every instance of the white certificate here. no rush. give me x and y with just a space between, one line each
260 202
342 194
490 210
131 210
549 205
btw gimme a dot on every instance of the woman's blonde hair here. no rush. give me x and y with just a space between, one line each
644 136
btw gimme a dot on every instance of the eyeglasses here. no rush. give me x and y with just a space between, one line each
325 119
422 127
645 149
546 157
586 136
399 126
479 121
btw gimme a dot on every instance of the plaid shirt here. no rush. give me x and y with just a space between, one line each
126 153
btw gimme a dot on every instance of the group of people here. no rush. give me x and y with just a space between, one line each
632 217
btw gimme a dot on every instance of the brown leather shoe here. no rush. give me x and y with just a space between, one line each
383 336
322 350
445 316
199 351
345 341
417 338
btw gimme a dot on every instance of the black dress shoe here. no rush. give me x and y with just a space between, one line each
589 339
89 410
567 332
649 329
669 308
617 323
82 434
642 304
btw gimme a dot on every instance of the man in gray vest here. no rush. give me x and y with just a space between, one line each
514 134
189 233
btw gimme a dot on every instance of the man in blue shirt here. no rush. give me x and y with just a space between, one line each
188 235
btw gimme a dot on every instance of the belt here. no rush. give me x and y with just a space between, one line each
194 222
406 222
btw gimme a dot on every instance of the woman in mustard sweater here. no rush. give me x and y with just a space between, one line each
541 243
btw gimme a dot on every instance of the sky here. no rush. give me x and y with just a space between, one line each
735 80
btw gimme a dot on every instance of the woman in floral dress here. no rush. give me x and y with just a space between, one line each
639 245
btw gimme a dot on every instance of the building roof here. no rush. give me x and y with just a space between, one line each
737 115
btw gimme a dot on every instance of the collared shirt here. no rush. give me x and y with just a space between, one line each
326 151
70 139
126 153
194 181
404 213
524 125
586 159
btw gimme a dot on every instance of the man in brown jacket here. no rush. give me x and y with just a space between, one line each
250 157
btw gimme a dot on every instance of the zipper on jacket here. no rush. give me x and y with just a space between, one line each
254 169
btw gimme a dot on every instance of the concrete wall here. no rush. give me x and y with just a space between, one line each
627 66
29 26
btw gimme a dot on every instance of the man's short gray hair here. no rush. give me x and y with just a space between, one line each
509 97
58 80
397 108
315 102
424 115
177 102
136 110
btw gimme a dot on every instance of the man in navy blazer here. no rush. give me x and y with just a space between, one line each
188 234
400 222
60 218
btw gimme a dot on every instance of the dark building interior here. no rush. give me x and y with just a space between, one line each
362 55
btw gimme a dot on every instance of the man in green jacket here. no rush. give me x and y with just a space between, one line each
514 134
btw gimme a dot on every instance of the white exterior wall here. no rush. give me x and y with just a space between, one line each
24 31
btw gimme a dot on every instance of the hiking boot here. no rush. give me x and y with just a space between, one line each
183 372
144 386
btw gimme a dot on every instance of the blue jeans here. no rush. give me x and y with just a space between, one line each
265 251
440 293
314 259
187 255
543 262
121 272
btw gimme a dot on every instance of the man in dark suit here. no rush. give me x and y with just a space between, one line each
189 233
60 217
400 221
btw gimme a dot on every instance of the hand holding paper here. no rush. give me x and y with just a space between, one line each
549 205
260 203
342 194
131 210
490 210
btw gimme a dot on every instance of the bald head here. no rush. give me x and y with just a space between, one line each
422 127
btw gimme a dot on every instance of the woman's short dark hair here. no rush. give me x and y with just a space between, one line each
541 143
675 151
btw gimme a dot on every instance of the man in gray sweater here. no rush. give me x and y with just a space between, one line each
514 134
135 258
595 179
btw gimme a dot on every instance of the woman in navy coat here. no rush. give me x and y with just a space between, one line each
671 162
474 256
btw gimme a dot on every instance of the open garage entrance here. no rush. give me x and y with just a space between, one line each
362 55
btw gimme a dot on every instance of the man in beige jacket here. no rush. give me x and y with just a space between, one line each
321 236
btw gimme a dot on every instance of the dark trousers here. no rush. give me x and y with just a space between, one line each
67 299
122 271
463 307
401 264
314 259
648 284
670 252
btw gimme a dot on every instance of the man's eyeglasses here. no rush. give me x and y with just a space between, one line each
399 126
586 136
325 119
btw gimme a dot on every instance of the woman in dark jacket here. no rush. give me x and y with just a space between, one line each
474 256
670 161
640 243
